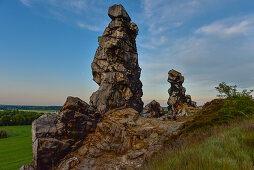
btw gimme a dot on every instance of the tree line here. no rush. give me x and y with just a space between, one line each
16 117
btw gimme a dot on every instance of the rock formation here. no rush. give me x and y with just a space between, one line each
122 140
109 133
55 135
154 109
177 96
115 66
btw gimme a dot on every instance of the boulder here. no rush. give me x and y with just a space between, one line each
115 66
118 11
55 135
154 109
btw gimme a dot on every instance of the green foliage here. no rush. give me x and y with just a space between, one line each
16 150
228 148
3 134
218 112
226 91
16 117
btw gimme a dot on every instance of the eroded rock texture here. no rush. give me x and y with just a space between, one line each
122 140
115 66
55 135
177 98
154 109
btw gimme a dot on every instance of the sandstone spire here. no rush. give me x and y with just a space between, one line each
115 66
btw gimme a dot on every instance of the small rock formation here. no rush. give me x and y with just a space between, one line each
115 66
122 140
154 109
177 98
55 135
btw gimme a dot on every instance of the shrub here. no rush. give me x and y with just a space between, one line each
226 91
3 134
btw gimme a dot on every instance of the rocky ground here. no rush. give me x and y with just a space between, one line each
124 139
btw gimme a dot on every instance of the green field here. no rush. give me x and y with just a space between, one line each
16 150
40 111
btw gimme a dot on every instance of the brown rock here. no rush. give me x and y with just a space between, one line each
154 109
177 98
124 140
115 66
55 135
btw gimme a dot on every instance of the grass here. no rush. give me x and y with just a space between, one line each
230 147
16 150
40 111
220 136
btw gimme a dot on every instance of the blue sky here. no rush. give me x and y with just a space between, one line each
47 46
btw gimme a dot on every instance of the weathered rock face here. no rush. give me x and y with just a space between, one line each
122 140
154 109
177 97
55 135
115 66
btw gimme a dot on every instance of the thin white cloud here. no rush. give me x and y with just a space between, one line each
229 27
89 27
25 2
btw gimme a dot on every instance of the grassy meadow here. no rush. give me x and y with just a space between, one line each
229 147
220 136
16 150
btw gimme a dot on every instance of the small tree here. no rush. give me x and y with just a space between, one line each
226 91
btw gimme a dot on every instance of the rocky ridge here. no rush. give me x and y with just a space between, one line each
122 140
109 133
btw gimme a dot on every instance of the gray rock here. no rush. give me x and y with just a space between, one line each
55 135
154 109
27 167
68 164
177 98
118 11
115 66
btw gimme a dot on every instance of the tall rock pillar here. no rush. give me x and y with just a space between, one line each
115 66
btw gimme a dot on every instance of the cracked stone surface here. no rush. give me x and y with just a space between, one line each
122 140
55 135
115 66
154 109
176 93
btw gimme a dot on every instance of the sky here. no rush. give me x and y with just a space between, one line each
47 46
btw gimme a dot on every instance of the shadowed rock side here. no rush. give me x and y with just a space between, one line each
115 66
154 109
55 135
123 139
177 98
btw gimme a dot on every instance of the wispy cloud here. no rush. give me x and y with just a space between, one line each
229 27
25 2
205 57
89 27
90 14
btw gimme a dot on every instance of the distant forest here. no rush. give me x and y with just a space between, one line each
16 117
20 107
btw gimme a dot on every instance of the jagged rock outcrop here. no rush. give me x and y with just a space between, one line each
177 98
153 109
55 135
122 140
115 66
